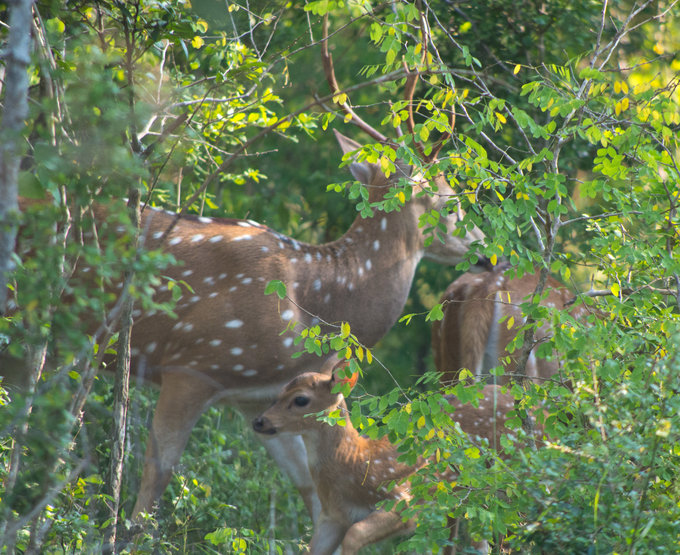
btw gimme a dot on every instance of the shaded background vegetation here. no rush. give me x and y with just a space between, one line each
160 94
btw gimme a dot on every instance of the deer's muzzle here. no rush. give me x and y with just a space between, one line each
262 425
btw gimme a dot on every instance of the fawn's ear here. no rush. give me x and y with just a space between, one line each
342 376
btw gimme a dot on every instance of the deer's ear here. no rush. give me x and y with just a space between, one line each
346 144
363 172
342 376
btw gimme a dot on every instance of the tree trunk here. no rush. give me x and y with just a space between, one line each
15 111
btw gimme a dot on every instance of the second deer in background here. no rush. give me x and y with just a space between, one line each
352 472
476 328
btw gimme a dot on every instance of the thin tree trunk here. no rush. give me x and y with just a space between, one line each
121 394
15 111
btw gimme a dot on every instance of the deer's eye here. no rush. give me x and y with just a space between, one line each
301 401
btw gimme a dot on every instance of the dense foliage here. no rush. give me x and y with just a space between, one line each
564 151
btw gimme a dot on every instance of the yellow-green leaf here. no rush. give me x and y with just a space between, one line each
615 289
472 453
197 42
344 330
202 25
516 70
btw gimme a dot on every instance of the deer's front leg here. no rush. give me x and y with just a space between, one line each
182 400
375 527
327 536
290 455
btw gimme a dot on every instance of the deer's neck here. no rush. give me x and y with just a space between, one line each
366 275
346 465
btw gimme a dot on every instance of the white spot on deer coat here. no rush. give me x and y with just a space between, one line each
250 373
204 220
288 342
238 367
233 324
383 224
376 245
150 348
287 314
158 234
308 258
198 237
188 327
236 351
210 280
175 241
222 275
247 281
187 273
369 264
213 294
243 238
215 342
216 238
317 284
265 249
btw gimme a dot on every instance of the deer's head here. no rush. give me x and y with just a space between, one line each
431 196
301 399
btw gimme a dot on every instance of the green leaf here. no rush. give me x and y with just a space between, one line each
436 313
276 286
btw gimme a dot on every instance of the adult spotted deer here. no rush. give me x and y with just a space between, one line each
232 344
352 472
475 330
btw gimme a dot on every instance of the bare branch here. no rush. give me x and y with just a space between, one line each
329 70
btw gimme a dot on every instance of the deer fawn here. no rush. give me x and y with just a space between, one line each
351 472
474 332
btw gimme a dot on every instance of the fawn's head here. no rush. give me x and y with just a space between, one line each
303 397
